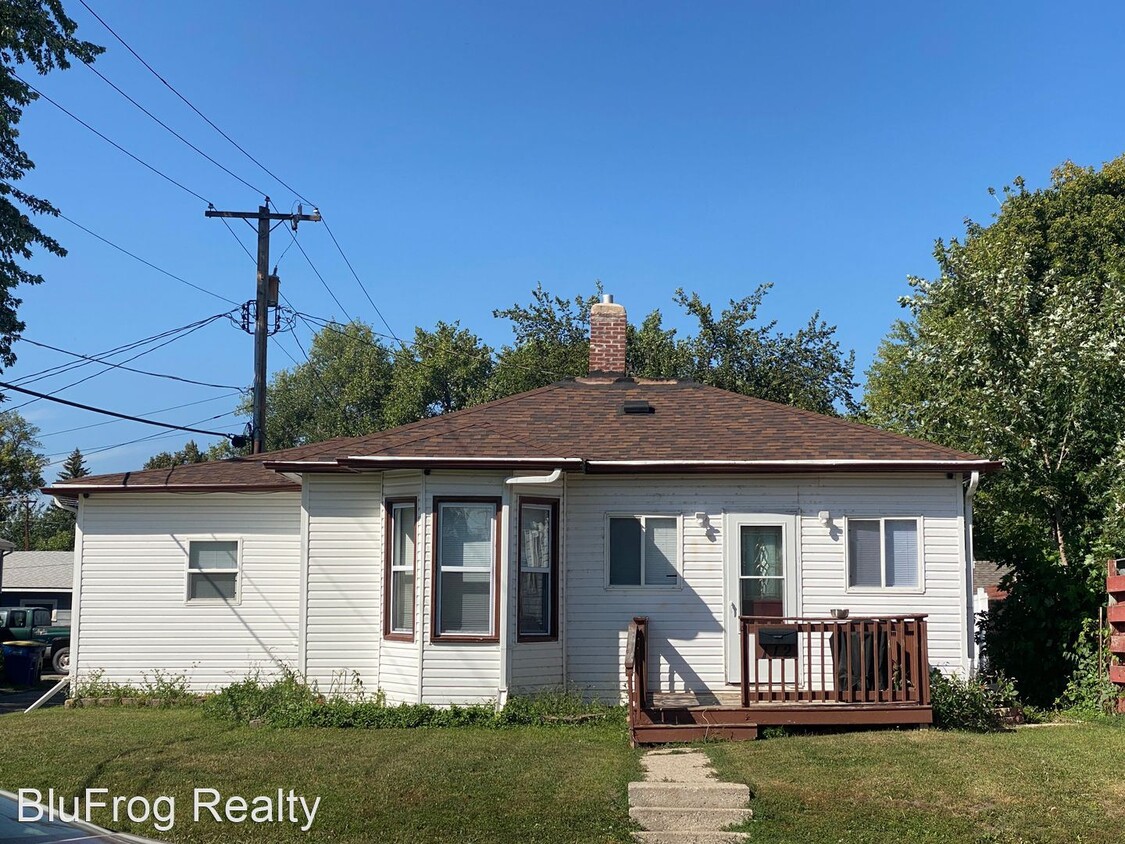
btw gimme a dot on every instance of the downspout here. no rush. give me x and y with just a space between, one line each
420 607
970 491
535 479
505 605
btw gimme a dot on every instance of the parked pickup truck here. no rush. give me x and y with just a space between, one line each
34 623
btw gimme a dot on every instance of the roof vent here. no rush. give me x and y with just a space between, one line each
632 408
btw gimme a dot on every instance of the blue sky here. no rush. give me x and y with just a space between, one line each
464 151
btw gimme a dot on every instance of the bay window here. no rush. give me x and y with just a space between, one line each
538 563
466 568
401 556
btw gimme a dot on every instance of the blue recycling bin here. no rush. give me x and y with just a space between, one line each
23 662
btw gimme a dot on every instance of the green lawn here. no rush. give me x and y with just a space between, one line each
1051 783
565 784
537 784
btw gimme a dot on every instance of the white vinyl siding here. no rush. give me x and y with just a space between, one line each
455 671
687 627
344 580
135 620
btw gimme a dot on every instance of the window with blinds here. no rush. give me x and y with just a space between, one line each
643 550
212 573
883 553
537 567
400 568
466 569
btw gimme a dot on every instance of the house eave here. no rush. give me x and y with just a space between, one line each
782 466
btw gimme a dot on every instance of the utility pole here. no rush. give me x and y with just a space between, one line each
266 298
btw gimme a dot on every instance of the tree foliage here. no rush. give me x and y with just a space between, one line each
441 371
74 467
190 453
34 34
1015 351
353 384
340 391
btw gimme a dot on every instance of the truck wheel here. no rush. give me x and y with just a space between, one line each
61 661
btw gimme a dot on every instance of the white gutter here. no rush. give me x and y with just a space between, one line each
535 479
826 463
378 459
70 508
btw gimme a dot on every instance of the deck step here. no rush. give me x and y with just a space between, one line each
666 819
689 795
671 837
665 733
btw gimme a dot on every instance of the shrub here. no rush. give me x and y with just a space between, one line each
1089 690
290 701
967 703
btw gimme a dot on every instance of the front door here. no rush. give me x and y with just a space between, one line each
760 564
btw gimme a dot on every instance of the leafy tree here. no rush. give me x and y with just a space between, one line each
443 370
734 351
1015 351
21 475
552 342
35 34
339 392
74 467
21 464
190 453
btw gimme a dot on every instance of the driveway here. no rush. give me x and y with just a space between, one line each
12 700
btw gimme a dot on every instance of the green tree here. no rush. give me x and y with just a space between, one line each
74 467
735 351
190 453
443 370
339 392
1015 351
552 342
21 476
34 34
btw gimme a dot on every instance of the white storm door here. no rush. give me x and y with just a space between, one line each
760 566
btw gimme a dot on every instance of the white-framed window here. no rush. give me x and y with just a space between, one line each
538 562
884 553
213 569
467 569
401 561
643 550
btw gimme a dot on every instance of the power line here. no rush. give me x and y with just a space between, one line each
117 421
66 367
110 141
149 264
149 438
173 334
190 105
340 305
113 413
229 172
362 286
93 359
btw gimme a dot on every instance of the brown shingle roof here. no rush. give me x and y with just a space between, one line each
580 424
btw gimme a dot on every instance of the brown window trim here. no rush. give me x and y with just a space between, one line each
435 568
552 634
388 558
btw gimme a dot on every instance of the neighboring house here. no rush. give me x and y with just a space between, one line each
508 547
988 576
38 579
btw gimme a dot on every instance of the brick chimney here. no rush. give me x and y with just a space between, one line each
607 338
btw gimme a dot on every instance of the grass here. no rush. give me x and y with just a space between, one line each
1051 783
527 784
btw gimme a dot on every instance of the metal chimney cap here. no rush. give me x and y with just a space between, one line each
607 298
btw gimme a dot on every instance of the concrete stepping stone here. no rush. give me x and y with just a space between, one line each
682 801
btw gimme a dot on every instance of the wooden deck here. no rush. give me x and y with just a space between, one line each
872 672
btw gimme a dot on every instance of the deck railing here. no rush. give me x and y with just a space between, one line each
636 668
855 660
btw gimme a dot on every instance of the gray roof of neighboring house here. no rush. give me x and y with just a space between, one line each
33 570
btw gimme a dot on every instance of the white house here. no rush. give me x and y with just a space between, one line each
508 547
